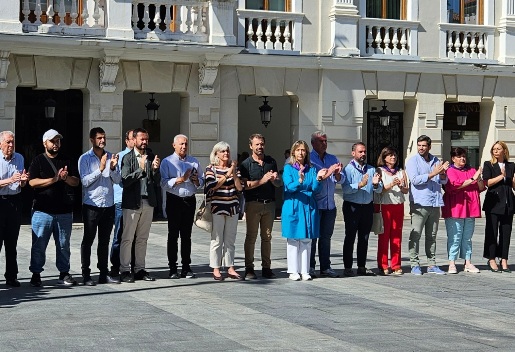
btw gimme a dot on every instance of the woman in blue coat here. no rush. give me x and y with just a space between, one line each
299 219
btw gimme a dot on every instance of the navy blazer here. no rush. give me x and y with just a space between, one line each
499 198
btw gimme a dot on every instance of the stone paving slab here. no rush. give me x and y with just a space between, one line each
472 312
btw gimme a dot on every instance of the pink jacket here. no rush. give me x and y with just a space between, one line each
461 203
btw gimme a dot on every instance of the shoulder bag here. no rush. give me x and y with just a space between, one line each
204 217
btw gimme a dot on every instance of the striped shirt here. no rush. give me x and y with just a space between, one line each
224 200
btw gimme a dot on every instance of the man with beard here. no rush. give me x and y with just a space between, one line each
181 176
260 176
427 175
12 178
98 171
361 181
140 178
52 175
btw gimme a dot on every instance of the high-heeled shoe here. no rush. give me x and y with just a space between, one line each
507 270
492 269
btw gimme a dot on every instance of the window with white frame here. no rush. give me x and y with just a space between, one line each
268 5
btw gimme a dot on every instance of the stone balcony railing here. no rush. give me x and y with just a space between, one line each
170 20
271 31
55 17
199 21
466 41
388 38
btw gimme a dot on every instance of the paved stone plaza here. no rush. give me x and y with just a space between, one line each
464 312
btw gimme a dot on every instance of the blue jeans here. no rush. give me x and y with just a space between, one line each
117 237
327 219
459 237
43 226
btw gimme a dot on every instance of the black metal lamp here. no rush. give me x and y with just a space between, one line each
266 112
50 105
384 115
461 117
152 108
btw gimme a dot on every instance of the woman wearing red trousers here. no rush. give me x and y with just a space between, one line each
392 200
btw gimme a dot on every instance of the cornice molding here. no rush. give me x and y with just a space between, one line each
108 70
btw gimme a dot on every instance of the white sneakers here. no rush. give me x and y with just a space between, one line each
297 277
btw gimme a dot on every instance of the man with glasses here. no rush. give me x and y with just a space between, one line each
53 176
12 178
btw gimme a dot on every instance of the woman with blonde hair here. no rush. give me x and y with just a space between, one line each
299 219
499 206
391 200
222 183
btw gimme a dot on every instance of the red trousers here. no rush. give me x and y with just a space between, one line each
393 217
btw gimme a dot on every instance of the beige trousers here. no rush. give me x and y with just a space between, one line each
136 223
223 237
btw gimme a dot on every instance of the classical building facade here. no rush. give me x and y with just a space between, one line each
378 71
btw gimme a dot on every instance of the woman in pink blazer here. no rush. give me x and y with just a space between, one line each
461 207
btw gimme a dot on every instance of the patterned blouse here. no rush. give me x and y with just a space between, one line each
224 200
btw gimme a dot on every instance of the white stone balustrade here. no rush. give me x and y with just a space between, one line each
170 20
389 38
464 41
53 16
275 31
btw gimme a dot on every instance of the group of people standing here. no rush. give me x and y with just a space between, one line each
121 190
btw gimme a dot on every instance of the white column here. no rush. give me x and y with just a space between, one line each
221 22
119 16
10 16
344 28
506 30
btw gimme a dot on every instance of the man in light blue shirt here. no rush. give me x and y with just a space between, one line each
12 178
118 212
181 176
98 171
325 202
427 175
361 181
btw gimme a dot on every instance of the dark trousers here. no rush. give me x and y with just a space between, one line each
103 219
497 226
10 221
358 219
180 212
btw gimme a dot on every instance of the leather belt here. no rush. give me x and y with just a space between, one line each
144 197
264 201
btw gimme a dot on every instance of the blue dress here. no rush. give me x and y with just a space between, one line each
299 218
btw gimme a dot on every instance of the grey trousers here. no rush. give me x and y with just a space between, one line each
423 217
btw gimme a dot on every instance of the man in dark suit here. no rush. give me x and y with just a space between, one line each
140 178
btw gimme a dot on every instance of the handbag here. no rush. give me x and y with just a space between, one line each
204 217
377 221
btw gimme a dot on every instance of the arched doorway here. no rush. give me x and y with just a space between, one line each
31 124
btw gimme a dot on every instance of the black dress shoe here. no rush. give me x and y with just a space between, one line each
12 282
144 275
267 273
107 280
362 271
88 281
126 277
492 269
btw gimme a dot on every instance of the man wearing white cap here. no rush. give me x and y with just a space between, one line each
52 175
